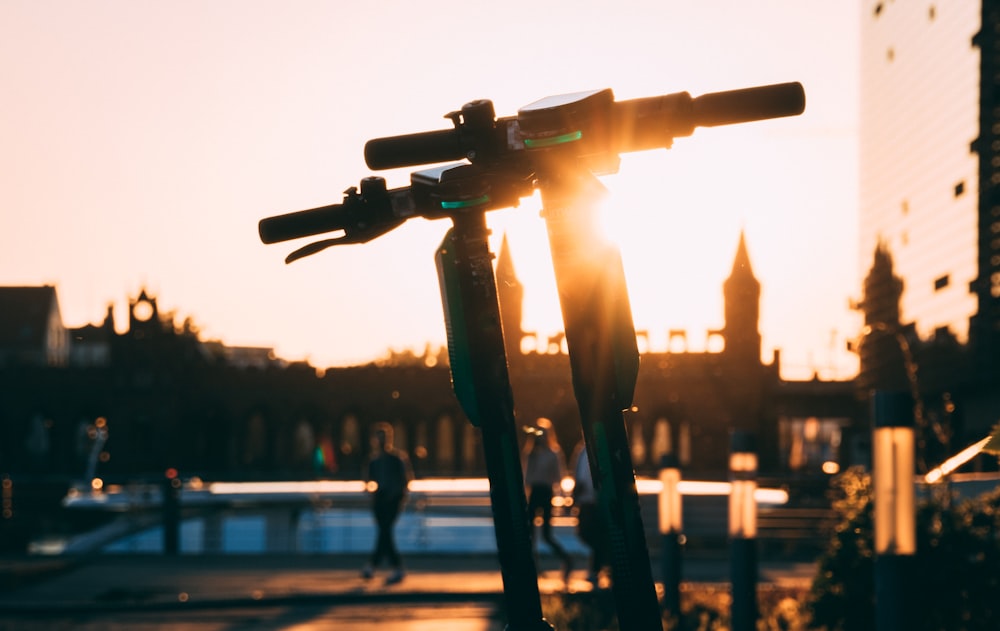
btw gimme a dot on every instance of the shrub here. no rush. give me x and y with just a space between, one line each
956 584
705 607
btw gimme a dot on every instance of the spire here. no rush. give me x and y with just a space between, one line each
741 292
109 318
741 263
882 289
882 361
505 264
510 295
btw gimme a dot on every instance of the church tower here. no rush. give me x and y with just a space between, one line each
510 295
143 316
741 292
882 358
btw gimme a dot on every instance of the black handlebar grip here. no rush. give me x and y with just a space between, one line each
412 149
749 104
303 223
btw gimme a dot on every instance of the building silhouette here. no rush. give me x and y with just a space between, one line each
687 402
930 215
33 332
169 399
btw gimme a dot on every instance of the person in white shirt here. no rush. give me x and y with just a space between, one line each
544 469
590 525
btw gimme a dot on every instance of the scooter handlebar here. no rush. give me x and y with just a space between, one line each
299 224
410 149
748 104
638 124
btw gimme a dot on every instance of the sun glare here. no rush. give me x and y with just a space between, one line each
675 256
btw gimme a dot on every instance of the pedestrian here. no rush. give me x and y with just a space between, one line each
590 527
544 470
388 476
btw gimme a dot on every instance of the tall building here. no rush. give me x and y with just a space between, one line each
930 203
31 328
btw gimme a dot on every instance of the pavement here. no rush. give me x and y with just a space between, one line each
34 586
303 592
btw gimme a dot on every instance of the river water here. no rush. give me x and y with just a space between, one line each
343 530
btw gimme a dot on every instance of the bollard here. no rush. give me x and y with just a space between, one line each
743 531
671 527
893 465
171 507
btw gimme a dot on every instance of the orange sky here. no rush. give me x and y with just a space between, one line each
141 142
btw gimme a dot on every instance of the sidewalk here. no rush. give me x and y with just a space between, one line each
117 583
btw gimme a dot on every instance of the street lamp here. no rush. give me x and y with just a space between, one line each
895 507
743 477
743 530
671 525
171 511
910 367
671 516
895 496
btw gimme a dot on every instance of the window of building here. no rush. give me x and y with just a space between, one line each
350 435
400 439
662 443
684 444
445 444
811 444
304 442
715 342
941 282
959 188
638 444
420 442
470 447
255 447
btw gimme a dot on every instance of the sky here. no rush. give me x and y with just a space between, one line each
141 142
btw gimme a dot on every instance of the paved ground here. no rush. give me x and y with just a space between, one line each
282 592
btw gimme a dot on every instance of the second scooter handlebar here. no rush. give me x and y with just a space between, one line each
636 124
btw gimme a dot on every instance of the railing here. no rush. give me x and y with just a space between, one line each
442 516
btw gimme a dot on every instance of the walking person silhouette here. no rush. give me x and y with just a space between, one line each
387 478
590 524
544 470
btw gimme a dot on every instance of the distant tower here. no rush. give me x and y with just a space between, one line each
741 292
143 315
109 321
880 352
882 291
510 294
